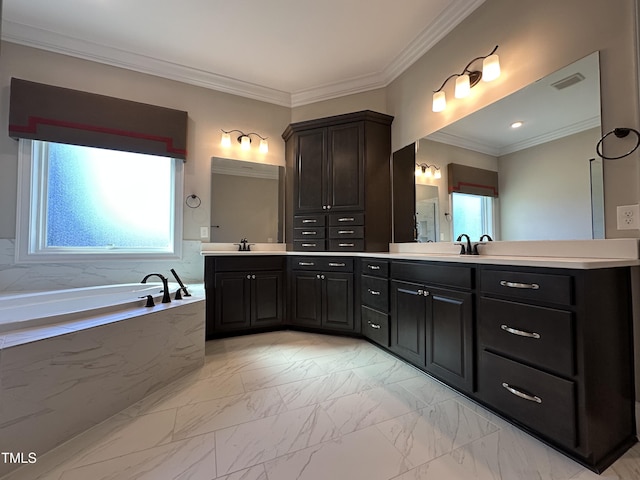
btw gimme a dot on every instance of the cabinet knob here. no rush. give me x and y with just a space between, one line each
248 277
318 276
253 277
324 207
328 207
322 277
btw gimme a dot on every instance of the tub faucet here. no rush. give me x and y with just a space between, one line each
464 251
166 298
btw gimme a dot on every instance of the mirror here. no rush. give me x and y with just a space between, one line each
247 201
427 224
550 178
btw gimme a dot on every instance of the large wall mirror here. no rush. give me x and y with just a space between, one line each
247 201
549 176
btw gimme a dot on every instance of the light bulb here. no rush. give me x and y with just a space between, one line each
428 173
226 140
418 172
490 68
245 142
437 174
463 87
264 146
439 101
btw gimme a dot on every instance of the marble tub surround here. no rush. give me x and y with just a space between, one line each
20 277
60 380
342 409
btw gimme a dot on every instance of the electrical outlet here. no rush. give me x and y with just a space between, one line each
628 217
204 232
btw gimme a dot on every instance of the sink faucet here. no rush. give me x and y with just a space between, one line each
166 298
489 239
464 251
481 242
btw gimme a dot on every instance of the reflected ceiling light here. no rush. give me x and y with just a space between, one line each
467 79
427 171
244 139
517 124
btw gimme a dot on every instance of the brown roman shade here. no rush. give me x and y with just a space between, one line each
472 180
44 112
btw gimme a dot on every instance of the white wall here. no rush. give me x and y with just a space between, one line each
545 190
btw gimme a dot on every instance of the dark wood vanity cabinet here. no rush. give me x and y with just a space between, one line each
243 293
373 285
432 319
555 356
321 293
338 168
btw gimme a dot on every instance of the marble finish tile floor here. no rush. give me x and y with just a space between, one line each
298 406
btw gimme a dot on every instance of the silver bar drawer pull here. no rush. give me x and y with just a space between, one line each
374 267
310 233
336 264
373 292
309 220
373 325
346 245
520 333
309 244
531 286
346 232
306 264
518 393
346 219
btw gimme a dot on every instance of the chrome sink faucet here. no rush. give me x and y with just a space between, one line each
166 298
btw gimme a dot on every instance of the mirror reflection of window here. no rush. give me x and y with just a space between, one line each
472 214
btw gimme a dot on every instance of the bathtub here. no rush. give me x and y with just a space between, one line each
70 359
32 309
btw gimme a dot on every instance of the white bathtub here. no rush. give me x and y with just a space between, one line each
40 308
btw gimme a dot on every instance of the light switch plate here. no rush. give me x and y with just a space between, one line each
204 232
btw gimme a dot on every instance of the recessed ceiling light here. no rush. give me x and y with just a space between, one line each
516 124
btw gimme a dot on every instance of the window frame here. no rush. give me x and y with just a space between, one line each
30 230
489 212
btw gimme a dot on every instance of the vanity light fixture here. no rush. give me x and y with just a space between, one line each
428 171
467 79
244 139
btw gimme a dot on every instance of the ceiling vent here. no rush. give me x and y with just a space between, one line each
568 81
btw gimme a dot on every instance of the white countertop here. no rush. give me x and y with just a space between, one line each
579 254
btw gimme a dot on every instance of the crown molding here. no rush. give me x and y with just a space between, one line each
514 147
54 42
43 39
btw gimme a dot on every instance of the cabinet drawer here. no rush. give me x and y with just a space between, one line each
377 268
305 221
375 293
541 401
317 245
544 287
326 264
433 274
346 219
346 245
308 233
248 263
375 325
346 232
537 335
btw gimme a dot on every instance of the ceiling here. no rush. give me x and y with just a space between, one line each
287 52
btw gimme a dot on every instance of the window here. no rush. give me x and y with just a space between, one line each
472 214
89 203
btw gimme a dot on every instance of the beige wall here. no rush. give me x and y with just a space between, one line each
535 39
545 190
209 111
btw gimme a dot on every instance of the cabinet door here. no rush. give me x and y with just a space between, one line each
337 301
266 298
306 293
408 312
311 172
232 301
346 166
449 328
